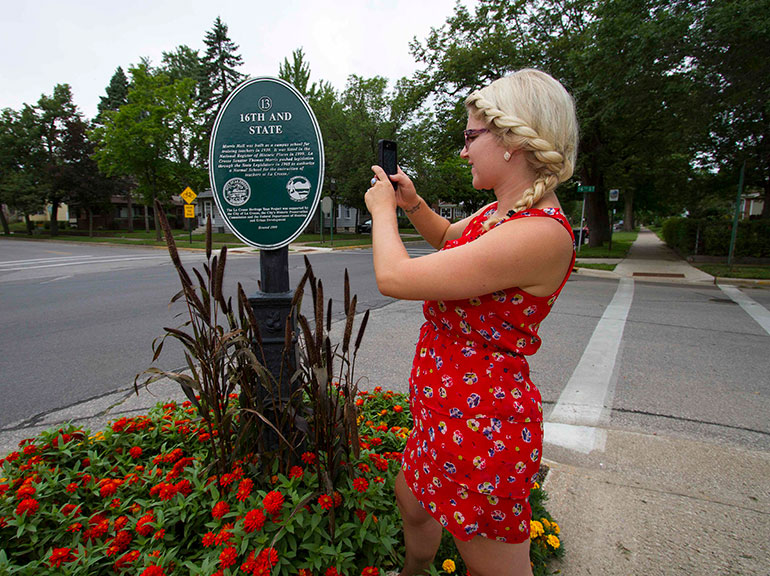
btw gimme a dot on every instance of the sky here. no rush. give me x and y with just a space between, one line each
82 42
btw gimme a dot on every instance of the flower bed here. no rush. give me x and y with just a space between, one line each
137 498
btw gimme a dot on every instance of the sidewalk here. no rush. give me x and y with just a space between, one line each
646 505
649 259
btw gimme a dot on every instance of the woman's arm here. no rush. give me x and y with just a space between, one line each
531 253
434 228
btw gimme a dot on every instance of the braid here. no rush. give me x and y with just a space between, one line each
550 165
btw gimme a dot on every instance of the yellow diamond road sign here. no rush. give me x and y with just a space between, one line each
188 195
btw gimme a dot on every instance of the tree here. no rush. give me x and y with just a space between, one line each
138 140
54 115
297 73
19 164
731 60
220 62
116 94
624 61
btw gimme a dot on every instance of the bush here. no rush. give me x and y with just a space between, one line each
713 237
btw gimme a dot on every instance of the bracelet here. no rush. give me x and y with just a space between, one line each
414 208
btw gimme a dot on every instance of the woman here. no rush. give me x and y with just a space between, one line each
470 460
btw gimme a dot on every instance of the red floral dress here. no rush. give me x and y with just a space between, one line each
478 419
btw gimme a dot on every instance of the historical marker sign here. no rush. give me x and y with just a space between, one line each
266 162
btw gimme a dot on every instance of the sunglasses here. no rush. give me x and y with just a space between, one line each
473 133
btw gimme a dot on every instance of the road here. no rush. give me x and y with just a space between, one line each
79 321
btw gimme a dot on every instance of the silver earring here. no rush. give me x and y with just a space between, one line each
507 156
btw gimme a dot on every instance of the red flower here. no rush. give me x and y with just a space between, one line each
370 571
267 558
331 572
337 499
27 506
309 458
76 527
364 468
254 520
361 484
68 509
220 509
224 536
398 408
296 472
160 534
227 557
3 487
153 570
244 489
209 539
59 556
184 487
127 558
143 525
120 522
273 502
167 491
108 488
325 501
135 452
25 490
361 515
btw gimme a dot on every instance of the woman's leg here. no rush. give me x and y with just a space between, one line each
422 533
485 557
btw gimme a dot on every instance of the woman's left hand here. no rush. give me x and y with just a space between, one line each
381 195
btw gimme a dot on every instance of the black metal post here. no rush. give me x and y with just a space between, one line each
272 307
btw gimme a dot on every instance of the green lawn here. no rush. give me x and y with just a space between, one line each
621 243
736 271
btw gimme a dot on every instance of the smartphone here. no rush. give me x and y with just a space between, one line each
387 158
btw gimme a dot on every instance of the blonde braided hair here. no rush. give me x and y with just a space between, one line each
531 111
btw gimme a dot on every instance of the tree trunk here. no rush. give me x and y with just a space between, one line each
146 218
598 218
130 201
158 236
90 223
6 228
766 207
54 217
628 211
28 222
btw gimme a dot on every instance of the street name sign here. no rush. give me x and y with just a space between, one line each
586 189
266 162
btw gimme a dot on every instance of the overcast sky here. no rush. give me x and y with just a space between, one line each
82 42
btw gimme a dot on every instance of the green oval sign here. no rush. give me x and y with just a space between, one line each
266 162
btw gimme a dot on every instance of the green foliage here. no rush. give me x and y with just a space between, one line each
116 94
712 237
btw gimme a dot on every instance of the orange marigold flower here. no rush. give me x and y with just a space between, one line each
59 556
220 509
227 557
254 520
273 502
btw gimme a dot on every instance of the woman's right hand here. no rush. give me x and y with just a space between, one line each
406 195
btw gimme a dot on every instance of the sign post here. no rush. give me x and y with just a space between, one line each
189 210
266 162
614 194
585 190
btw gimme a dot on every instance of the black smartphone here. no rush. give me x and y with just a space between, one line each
387 157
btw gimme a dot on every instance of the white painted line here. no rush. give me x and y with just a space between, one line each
44 260
583 439
751 307
101 260
582 403
56 279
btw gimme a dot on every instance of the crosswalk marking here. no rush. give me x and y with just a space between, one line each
17 265
751 307
582 403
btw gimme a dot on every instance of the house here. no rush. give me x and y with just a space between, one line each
752 204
